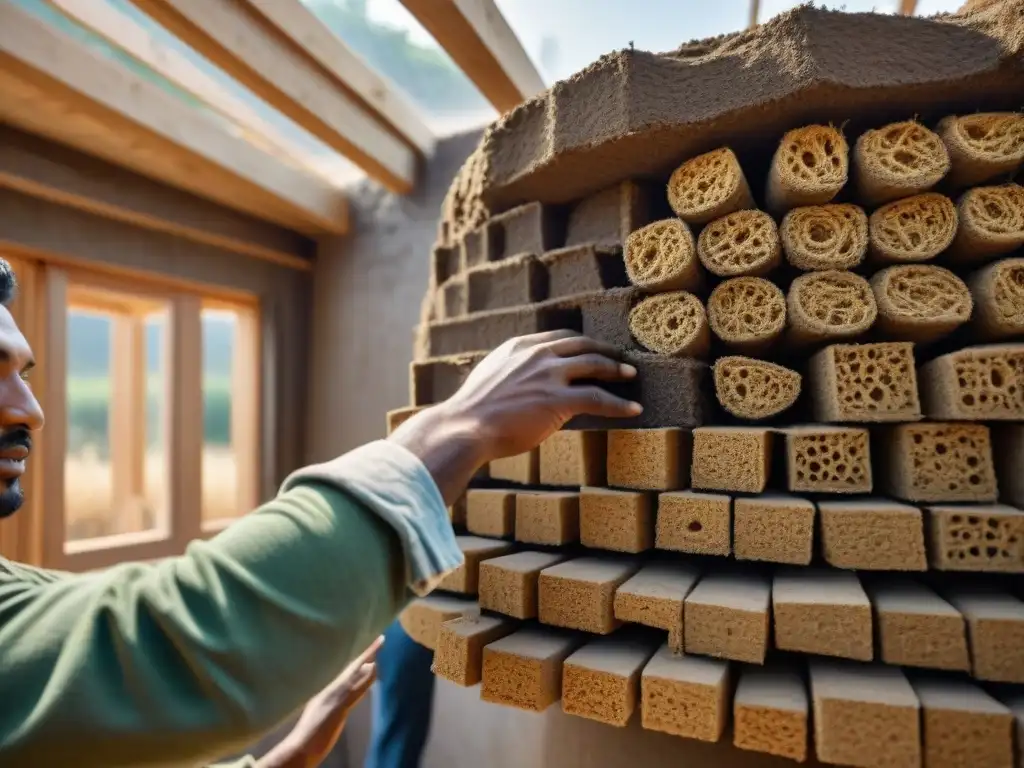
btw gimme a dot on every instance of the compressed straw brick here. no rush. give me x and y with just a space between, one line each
826 459
773 528
995 626
655 596
821 611
865 715
825 236
491 512
976 538
747 313
580 593
963 726
423 617
434 381
872 535
920 302
984 383
731 459
1009 457
671 324
770 711
917 628
509 283
573 458
459 656
445 263
620 521
479 246
982 146
938 462
583 269
601 681
810 167
699 523
915 229
485 331
998 292
829 306
551 518
606 218
530 228
452 299
709 186
991 223
685 696
727 615
754 389
898 160
465 578
662 256
523 468
601 315
649 459
508 584
864 382
524 669
741 243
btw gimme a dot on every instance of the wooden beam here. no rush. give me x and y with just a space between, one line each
907 7
478 38
53 85
253 51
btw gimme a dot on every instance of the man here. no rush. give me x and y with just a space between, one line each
182 661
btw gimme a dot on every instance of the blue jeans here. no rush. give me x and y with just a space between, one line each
402 702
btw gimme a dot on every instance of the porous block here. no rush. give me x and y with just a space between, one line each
727 616
822 611
620 521
983 383
649 459
938 462
662 256
995 626
754 389
601 681
465 578
1009 458
976 538
459 656
770 711
981 145
829 306
573 458
509 283
747 313
865 382
434 381
920 302
740 243
551 518
484 331
523 468
672 323
865 715
524 669
917 628
684 695
699 523
607 217
655 598
963 726
423 617
731 459
872 535
825 459
898 160
810 167
530 228
491 512
991 223
399 416
999 306
773 528
580 594
709 186
825 236
508 584
914 229
583 269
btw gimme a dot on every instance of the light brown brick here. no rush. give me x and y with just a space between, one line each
574 458
655 597
601 681
773 528
872 535
731 459
917 628
685 696
700 523
423 617
984 383
995 626
727 615
491 512
580 594
864 382
827 459
1014 699
822 611
976 538
459 656
523 468
524 669
465 578
770 711
508 584
620 521
938 462
544 517
649 459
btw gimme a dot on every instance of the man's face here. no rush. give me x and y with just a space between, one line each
20 414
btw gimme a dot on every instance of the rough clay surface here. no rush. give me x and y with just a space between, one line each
995 625
524 669
825 236
601 681
685 695
547 517
963 726
754 389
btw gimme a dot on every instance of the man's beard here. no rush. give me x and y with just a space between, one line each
11 498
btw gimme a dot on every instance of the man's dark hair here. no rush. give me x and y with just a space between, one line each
8 283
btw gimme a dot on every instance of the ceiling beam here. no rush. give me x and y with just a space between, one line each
478 38
254 52
54 86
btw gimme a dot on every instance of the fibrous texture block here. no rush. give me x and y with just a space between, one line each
580 594
917 628
865 715
509 283
699 523
1009 458
671 324
523 468
872 535
982 146
822 611
727 616
423 617
731 458
754 389
573 457
914 229
747 313
663 257
484 331
709 186
685 696
865 382
547 518
479 246
601 681
984 383
920 302
459 656
773 528
963 726
825 236
810 167
466 578
649 459
939 462
829 305
824 459
977 538
998 292
607 217
445 263
491 512
898 160
991 223
508 584
583 269
770 711
741 243
620 521
524 669
602 315
995 626
434 381
453 299
655 598
530 228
